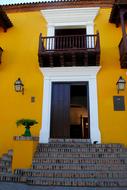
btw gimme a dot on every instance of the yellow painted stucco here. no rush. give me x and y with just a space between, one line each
23 153
112 124
20 59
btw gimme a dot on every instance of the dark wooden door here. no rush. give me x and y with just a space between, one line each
60 111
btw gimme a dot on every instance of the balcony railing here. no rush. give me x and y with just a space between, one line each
123 52
69 44
61 43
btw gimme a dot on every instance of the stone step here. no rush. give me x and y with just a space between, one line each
76 182
72 174
10 152
80 160
6 162
6 170
65 182
6 157
79 149
90 167
61 182
78 144
79 155
69 140
72 162
55 173
72 144
8 177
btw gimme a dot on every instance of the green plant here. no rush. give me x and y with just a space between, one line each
27 123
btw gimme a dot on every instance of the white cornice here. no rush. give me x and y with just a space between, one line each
72 15
58 72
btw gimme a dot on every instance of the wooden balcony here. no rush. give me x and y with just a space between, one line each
5 22
1 50
72 50
123 53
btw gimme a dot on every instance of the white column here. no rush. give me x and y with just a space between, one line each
50 42
90 28
45 130
94 128
90 31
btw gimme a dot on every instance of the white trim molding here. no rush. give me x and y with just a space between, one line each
69 74
70 16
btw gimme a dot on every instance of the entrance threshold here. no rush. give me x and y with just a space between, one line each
54 140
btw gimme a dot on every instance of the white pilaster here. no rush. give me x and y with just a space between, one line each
94 130
45 130
90 28
50 32
89 31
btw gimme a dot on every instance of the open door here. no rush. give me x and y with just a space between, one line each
70 110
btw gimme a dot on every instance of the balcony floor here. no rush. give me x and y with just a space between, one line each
69 58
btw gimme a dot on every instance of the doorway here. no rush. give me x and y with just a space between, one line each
70 110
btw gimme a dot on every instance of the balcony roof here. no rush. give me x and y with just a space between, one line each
5 22
119 5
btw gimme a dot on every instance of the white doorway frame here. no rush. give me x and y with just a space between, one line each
70 74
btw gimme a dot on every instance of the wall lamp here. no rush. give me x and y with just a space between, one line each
120 84
19 86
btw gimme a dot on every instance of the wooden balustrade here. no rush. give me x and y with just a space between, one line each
59 43
69 50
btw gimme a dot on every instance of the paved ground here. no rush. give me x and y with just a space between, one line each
18 186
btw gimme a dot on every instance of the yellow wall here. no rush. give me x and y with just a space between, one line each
113 124
23 153
20 59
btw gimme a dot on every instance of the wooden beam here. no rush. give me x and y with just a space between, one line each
51 60
62 60
86 58
73 59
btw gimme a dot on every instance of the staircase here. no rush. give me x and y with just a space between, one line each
6 163
77 163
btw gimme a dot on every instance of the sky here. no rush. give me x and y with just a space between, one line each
4 2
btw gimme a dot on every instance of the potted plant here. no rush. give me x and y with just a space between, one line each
27 123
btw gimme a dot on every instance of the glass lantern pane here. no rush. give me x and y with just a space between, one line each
18 88
121 86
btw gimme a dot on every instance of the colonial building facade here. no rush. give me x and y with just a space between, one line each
69 56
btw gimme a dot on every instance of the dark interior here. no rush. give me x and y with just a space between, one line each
78 103
74 31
